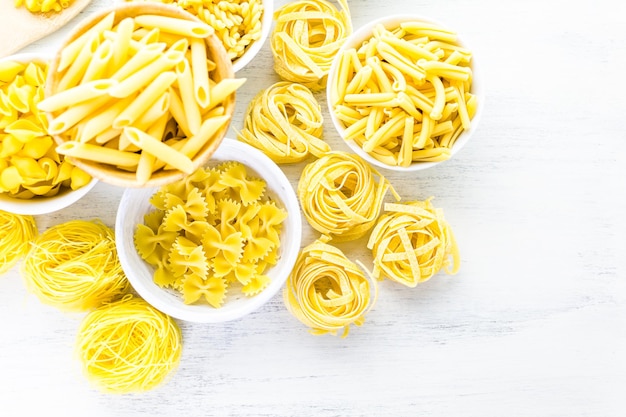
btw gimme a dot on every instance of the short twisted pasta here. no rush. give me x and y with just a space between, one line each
306 38
43 6
237 23
16 233
326 291
128 346
411 242
340 195
285 122
73 266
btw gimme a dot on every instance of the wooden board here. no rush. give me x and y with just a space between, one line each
19 27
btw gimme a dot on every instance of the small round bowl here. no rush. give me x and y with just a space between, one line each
253 49
135 204
40 204
364 33
215 51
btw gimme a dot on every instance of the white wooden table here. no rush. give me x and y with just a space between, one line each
534 324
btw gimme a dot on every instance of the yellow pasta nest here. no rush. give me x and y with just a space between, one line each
404 94
326 291
306 37
212 232
73 266
29 163
237 23
412 242
43 6
16 233
139 97
285 121
340 195
128 346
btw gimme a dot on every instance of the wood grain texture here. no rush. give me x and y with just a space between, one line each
20 27
534 324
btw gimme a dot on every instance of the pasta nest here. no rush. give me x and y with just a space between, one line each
16 233
340 195
326 291
306 37
411 242
128 346
285 122
74 266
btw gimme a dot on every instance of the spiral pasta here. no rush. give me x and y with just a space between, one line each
73 266
285 122
128 346
411 242
340 195
237 23
16 233
306 38
326 291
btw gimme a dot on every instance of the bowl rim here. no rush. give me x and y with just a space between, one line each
110 174
41 205
231 149
254 48
363 33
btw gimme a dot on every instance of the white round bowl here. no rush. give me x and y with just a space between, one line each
365 32
254 48
135 204
41 205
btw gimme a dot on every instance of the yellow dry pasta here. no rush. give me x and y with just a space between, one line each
17 231
306 37
73 266
411 242
29 163
285 121
128 346
326 291
237 23
43 6
416 73
120 77
212 232
341 196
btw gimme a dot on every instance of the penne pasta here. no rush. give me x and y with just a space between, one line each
98 154
159 149
75 95
176 26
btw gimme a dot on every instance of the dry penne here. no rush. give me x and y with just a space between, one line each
414 73
151 98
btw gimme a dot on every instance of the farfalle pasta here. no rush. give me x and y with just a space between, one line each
17 231
341 196
411 242
29 163
285 121
211 232
306 37
328 292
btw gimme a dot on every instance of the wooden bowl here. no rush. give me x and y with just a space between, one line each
215 51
